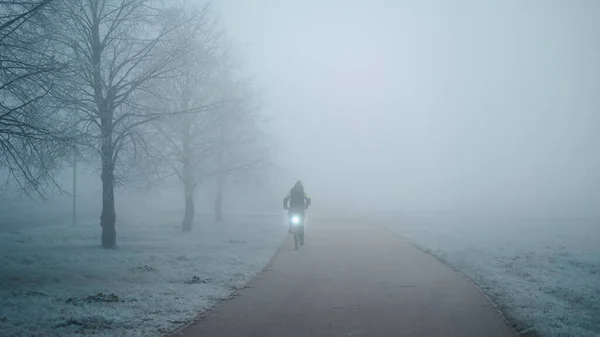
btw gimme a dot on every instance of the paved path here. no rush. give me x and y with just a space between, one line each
353 280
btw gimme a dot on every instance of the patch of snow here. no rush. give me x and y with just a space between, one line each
57 281
544 274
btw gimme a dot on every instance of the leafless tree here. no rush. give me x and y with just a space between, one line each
34 134
118 52
185 142
197 147
243 145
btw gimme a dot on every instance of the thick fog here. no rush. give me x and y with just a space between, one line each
168 133
389 106
487 106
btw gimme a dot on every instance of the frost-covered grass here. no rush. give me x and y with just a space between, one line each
544 274
57 281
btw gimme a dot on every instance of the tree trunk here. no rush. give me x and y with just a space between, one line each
74 220
219 206
188 181
188 218
219 198
105 113
109 216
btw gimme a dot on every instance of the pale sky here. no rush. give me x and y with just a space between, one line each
431 104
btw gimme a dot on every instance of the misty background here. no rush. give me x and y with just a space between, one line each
471 106
469 128
398 106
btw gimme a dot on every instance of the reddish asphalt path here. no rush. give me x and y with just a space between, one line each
353 280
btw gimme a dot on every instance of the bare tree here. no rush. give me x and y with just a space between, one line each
243 146
117 51
184 144
34 134
199 147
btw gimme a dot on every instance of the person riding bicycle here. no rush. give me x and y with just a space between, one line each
298 201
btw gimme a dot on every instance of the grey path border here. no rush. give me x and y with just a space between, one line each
202 314
511 323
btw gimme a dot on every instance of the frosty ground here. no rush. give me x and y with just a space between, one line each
56 281
544 274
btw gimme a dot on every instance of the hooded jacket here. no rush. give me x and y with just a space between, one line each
298 200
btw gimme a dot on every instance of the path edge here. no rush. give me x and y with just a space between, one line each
203 313
511 323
